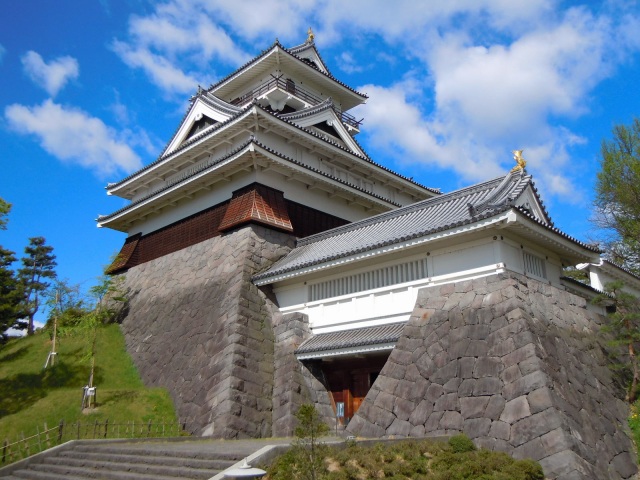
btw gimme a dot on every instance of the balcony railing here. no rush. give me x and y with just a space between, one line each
289 86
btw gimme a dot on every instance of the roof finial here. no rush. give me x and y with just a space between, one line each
311 36
521 162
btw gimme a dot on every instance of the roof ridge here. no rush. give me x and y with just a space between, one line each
445 197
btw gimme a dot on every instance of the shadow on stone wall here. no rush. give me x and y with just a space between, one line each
198 326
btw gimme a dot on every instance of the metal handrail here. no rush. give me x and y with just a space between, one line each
293 89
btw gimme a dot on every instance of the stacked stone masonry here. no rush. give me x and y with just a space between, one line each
198 326
294 383
515 364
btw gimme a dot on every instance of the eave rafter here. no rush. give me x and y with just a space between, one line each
251 157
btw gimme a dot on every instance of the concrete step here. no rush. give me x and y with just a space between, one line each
28 474
56 465
157 451
72 456
56 472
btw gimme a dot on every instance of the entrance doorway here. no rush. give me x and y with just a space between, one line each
349 379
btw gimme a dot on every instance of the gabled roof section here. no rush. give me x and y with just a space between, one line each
202 104
460 208
275 55
324 112
308 51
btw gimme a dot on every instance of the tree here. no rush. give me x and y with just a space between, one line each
10 294
624 326
37 267
310 429
65 303
617 199
5 208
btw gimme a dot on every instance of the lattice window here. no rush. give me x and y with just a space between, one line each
534 265
382 277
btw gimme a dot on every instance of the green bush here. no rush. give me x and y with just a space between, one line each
461 443
409 460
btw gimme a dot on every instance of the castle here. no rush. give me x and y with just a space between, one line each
270 262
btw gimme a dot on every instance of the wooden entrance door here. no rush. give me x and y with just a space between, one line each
359 389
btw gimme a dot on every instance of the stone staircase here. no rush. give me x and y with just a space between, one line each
118 460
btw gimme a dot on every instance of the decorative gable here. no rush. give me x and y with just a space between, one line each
204 113
531 203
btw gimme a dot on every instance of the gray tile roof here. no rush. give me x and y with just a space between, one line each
352 338
461 207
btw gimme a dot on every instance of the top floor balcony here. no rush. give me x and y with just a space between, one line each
281 91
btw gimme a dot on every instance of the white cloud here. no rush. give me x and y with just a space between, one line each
498 74
74 137
2 52
52 76
158 68
348 63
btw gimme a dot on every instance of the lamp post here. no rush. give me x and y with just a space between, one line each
245 471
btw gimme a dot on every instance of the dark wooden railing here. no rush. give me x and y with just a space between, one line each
290 87
63 432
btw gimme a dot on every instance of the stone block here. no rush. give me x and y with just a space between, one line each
421 413
625 464
433 422
417 431
526 384
434 392
515 410
540 399
532 449
385 400
476 427
519 355
399 428
466 366
477 348
487 367
495 407
448 401
487 386
500 430
403 408
466 387
451 421
452 385
473 407
535 426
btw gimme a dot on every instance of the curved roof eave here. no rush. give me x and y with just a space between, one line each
251 141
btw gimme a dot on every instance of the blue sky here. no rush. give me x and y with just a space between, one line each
91 91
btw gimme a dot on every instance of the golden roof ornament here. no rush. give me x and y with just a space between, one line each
311 36
521 162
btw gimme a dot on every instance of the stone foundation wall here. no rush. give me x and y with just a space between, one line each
198 326
294 383
516 365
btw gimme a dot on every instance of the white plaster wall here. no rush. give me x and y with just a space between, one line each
472 259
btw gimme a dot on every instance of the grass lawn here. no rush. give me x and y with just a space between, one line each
31 396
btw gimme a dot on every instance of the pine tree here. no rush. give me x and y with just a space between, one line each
5 207
10 294
618 195
38 265
624 326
